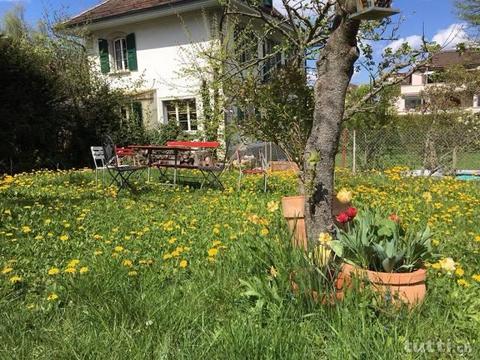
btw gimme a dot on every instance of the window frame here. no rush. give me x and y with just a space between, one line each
124 53
191 104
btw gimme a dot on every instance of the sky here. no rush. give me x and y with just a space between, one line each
435 18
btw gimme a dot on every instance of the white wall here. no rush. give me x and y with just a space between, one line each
165 46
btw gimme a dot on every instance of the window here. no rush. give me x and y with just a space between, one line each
270 47
246 45
183 112
133 112
413 102
120 54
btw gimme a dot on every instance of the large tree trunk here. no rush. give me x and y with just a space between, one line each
335 67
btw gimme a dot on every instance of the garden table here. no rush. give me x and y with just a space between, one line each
171 158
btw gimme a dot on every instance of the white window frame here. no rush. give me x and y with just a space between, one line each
124 62
177 112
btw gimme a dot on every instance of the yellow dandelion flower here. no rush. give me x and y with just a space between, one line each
97 252
26 229
476 277
437 266
119 248
64 237
183 264
216 231
97 237
212 252
47 221
7 270
427 197
167 256
325 238
15 279
216 243
83 269
459 272
73 263
127 263
172 240
477 238
463 282
52 297
53 271
132 273
435 242
70 270
264 232
272 206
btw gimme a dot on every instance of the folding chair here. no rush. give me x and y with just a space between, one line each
99 162
120 173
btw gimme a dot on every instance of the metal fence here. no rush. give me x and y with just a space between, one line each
446 148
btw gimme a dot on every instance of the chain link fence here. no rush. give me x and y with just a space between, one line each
445 148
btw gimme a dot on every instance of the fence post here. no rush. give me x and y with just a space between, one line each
354 152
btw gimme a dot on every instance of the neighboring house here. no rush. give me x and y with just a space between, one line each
412 88
151 41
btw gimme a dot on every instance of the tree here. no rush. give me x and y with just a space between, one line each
326 29
469 10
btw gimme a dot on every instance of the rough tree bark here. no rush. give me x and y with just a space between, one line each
335 67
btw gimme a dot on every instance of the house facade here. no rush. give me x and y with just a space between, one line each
148 45
412 88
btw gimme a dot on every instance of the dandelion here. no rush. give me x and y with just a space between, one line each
183 264
216 231
427 196
118 248
53 271
476 277
216 243
52 297
264 232
477 238
70 270
212 252
15 279
83 270
172 240
167 256
325 238
73 263
132 273
97 252
7 270
272 206
463 282
459 272
47 221
64 237
26 229
127 263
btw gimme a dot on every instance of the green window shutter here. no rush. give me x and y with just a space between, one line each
137 112
132 53
104 56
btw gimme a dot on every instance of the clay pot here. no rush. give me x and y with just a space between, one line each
408 288
294 212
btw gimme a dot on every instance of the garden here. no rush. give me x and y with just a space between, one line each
177 272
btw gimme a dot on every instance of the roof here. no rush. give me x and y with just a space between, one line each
119 8
449 58
113 8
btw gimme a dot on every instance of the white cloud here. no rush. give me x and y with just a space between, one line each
450 37
415 41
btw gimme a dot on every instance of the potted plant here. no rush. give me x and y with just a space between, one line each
381 253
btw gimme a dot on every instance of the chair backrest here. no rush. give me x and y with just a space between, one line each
109 151
98 156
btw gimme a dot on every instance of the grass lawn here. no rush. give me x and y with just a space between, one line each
178 273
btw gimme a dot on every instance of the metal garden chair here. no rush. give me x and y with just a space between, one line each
120 173
99 162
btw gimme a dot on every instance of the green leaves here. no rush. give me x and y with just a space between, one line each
380 244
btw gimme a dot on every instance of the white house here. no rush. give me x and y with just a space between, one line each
151 41
410 100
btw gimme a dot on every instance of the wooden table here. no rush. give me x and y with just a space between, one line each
173 155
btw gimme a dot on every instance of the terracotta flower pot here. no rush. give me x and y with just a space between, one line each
408 288
294 212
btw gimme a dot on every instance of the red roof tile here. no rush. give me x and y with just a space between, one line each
113 8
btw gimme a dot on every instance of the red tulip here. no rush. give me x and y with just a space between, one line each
343 218
351 212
